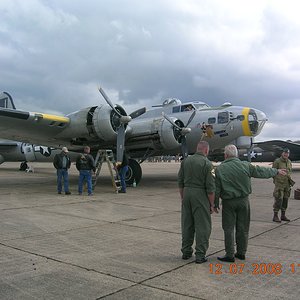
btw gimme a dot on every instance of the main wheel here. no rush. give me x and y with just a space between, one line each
134 172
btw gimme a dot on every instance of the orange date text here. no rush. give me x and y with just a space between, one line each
254 268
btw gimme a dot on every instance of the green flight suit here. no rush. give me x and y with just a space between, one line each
233 185
282 190
196 179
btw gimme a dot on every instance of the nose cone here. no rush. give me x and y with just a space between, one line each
261 119
261 116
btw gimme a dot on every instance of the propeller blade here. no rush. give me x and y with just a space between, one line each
184 149
190 119
183 131
120 142
108 101
168 119
138 112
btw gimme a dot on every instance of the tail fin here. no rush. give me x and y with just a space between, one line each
6 101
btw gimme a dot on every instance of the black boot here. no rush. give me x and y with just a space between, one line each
283 217
276 218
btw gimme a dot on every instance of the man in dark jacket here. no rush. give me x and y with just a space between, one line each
85 164
62 163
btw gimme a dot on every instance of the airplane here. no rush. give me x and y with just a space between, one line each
166 129
14 151
266 151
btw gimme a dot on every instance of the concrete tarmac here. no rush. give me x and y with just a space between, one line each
127 246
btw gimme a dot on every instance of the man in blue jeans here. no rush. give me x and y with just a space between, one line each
122 169
85 164
62 163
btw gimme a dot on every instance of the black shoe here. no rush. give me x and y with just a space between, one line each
226 258
201 260
68 193
284 218
121 191
59 193
240 256
186 256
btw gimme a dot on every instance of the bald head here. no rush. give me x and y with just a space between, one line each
203 147
230 151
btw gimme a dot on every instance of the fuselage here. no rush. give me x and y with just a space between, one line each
227 124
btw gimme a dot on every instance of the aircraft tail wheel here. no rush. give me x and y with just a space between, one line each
134 172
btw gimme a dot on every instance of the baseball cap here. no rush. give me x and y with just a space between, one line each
287 150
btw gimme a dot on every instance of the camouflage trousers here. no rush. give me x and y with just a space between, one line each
281 196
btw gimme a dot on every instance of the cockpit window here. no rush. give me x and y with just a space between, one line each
187 107
211 120
223 117
176 109
201 105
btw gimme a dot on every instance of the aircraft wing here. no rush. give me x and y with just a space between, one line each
27 126
7 143
277 146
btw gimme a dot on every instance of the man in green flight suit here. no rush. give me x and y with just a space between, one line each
282 190
196 188
233 186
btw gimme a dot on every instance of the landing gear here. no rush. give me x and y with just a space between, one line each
23 166
134 172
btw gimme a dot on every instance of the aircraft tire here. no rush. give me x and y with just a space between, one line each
23 166
134 172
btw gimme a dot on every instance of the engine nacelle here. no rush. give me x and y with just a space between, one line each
105 122
93 124
169 136
99 124
153 133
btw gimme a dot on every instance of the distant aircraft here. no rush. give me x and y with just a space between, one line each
14 151
266 151
166 129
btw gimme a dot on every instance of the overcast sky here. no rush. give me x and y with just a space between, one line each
54 54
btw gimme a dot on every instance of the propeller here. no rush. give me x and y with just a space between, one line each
138 112
120 121
181 132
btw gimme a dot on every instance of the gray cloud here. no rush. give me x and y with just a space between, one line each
54 54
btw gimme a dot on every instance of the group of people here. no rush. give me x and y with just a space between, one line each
200 192
85 164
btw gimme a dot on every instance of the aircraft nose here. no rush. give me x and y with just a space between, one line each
261 120
261 116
